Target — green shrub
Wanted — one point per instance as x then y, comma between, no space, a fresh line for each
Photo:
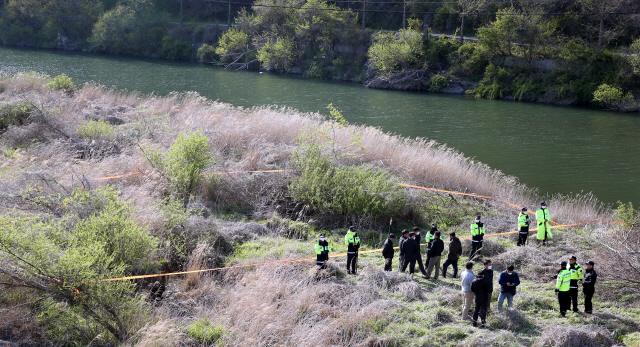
176,49
626,213
439,81
183,163
234,45
396,52
347,191
279,55
207,54
61,82
205,332
95,237
495,84
614,98
96,130
15,114
470,59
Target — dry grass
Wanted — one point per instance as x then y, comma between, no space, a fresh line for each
588,336
197,261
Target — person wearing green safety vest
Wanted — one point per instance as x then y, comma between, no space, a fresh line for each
352,240
431,235
477,235
523,227
543,217
562,288
577,275
322,252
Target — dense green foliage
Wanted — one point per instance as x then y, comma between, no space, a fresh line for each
183,164
65,258
346,191
396,52
17,114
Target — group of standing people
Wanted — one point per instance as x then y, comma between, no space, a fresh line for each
569,278
542,218
410,254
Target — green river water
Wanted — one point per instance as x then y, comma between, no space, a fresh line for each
555,149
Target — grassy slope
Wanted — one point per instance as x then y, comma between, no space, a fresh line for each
290,304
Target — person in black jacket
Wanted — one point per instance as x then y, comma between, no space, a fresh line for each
418,239
388,252
479,287
411,253
487,273
455,252
588,286
403,238
435,252
431,235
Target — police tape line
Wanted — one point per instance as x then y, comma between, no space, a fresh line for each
304,259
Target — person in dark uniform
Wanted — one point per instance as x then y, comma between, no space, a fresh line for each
388,252
352,240
403,238
562,288
479,287
411,253
322,252
416,230
477,236
523,227
588,286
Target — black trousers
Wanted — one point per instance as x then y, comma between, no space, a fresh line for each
474,248
387,264
564,300
573,293
454,263
411,264
421,266
480,310
352,263
588,295
522,238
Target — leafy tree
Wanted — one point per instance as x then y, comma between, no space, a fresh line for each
207,54
65,260
466,8
396,52
132,27
183,163
614,98
279,55
605,23
235,45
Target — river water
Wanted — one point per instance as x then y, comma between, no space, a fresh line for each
555,149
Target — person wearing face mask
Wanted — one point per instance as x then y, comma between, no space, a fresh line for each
562,288
431,235
455,252
588,286
322,252
416,230
435,253
508,281
352,240
577,275
523,227
488,278
477,235
543,217
388,252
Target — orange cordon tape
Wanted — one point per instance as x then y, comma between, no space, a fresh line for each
311,258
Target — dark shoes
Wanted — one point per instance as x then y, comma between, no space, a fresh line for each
588,312
475,324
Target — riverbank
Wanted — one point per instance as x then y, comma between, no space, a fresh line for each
81,163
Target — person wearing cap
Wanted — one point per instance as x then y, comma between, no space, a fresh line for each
487,274
322,252
416,230
482,292
411,253
588,286
403,238
435,253
562,288
523,227
431,235
352,240
466,279
455,251
388,252
576,276
508,282
543,217
477,235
